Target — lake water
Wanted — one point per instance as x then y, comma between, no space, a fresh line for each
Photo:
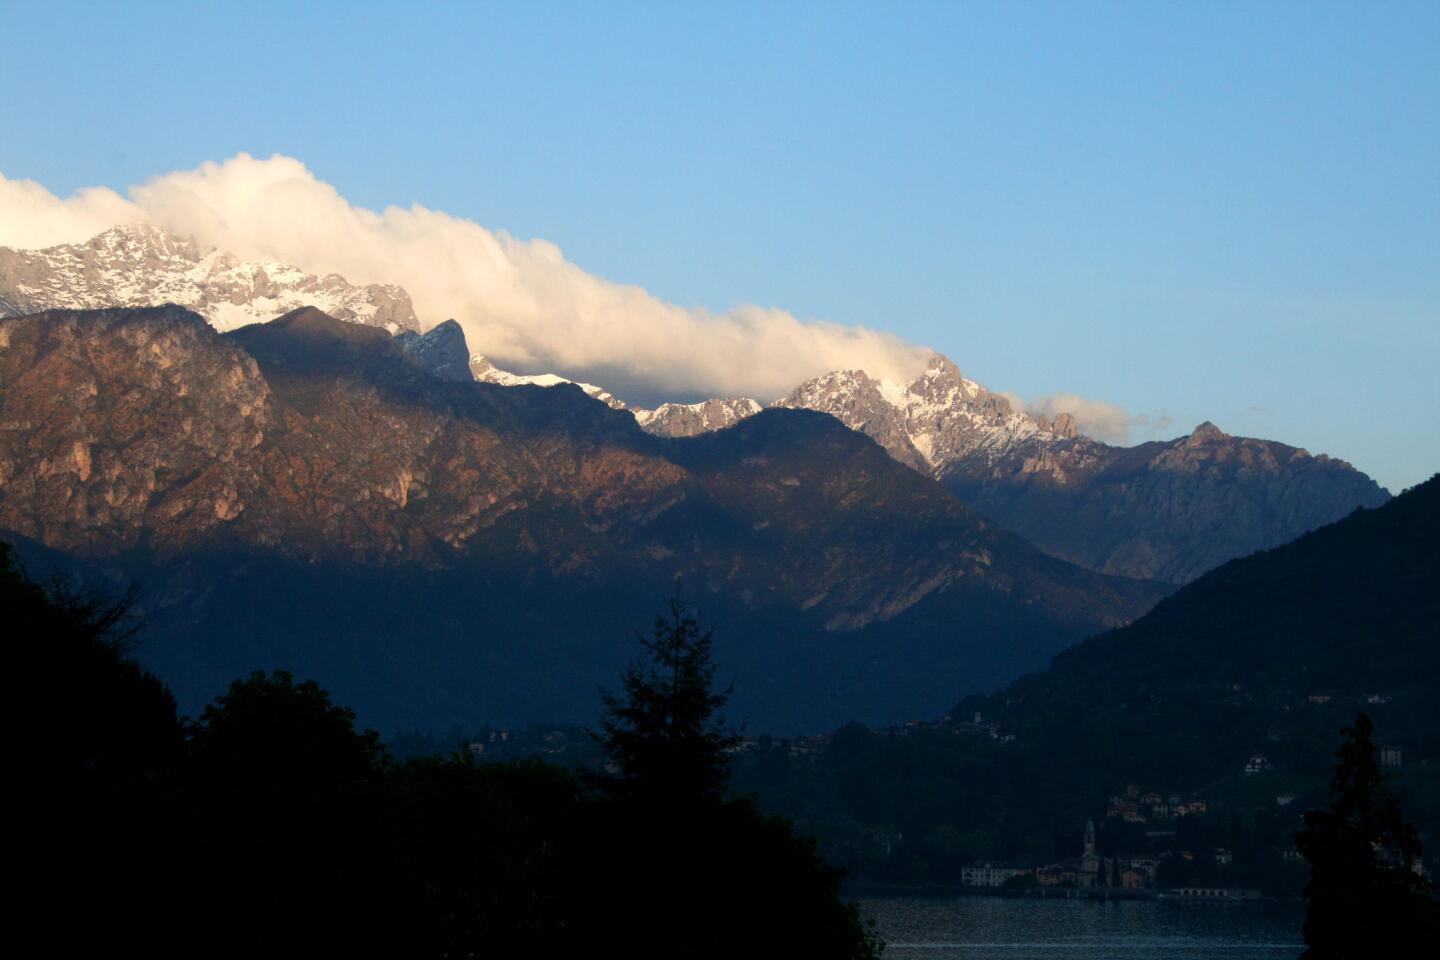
982,928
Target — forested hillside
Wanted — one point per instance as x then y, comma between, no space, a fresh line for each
1257,664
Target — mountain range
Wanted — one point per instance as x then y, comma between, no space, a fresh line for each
358,467
1165,510
1162,510
304,493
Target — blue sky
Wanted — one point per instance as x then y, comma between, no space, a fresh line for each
1216,211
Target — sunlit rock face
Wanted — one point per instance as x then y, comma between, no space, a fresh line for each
319,438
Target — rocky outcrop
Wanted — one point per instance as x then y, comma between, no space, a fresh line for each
441,351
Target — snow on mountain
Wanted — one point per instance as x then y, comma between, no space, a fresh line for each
926,424
140,265
929,423
689,419
486,372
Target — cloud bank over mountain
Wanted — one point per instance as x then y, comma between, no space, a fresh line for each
520,301
31,216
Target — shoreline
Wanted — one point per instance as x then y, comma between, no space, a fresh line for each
948,892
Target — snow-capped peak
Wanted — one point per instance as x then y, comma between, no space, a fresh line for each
141,265
929,423
689,419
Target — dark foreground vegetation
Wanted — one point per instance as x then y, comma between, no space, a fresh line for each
271,827
1366,895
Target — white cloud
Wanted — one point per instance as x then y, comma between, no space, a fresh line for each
520,301
1099,419
31,216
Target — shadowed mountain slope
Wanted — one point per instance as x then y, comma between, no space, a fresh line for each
1266,655
1227,697
303,493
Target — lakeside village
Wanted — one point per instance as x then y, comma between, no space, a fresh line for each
1149,844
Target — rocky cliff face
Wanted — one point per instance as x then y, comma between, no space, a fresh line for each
121,426
144,440
144,266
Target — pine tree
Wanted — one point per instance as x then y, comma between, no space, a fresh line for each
1365,896
717,877
665,734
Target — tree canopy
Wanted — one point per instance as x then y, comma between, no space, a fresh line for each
717,878
271,826
1366,896
665,734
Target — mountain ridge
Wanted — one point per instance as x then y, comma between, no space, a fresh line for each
232,469
1164,510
